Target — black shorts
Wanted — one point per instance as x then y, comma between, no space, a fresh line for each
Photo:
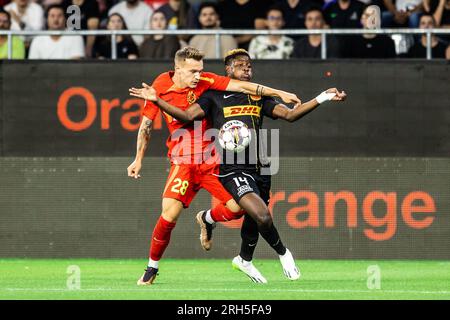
240,182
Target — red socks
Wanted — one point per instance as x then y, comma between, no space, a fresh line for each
160,238
221,213
163,229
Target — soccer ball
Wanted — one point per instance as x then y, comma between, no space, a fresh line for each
234,136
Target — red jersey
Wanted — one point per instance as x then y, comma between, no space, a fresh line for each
183,98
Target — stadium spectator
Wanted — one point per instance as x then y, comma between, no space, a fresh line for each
243,14
272,46
18,47
311,46
136,15
369,45
439,49
56,47
209,19
89,20
294,12
126,48
440,9
402,13
25,15
89,9
47,3
178,14
343,13
159,46
103,9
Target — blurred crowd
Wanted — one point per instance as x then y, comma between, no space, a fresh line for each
34,15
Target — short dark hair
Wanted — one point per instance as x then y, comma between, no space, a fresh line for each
275,7
208,5
55,6
428,15
7,14
159,11
312,8
233,54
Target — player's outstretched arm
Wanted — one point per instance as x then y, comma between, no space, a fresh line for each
194,112
260,90
149,93
143,140
302,109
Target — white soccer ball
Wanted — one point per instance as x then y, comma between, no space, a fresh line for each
234,136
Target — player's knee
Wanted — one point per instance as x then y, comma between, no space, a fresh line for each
169,217
170,214
171,209
233,206
264,219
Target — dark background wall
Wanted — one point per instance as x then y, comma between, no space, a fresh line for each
394,109
65,193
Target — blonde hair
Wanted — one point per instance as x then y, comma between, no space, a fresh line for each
230,55
189,53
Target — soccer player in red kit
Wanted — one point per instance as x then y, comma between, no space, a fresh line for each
189,172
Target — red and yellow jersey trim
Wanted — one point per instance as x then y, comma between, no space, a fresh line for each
210,80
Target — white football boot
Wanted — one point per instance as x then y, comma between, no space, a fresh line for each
249,269
289,268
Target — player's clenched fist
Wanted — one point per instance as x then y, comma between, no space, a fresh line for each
339,95
134,169
146,92
331,94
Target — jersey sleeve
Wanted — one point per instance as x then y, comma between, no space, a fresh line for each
206,102
268,106
218,82
150,110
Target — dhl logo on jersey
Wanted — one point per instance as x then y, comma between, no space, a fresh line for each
247,110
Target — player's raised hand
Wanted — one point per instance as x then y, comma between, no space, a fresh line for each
146,92
339,95
134,169
289,97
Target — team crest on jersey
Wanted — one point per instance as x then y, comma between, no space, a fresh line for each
248,110
255,98
191,97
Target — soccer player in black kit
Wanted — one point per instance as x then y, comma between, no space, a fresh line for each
244,179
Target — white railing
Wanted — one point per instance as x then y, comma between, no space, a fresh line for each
219,33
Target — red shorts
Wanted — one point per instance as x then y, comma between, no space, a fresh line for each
185,180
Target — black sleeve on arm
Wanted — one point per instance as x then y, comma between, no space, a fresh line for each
268,106
132,48
206,103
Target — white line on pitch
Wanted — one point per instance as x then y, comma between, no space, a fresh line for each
225,289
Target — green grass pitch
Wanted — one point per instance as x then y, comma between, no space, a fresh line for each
215,279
